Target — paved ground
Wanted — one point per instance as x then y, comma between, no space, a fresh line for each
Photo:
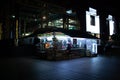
88,68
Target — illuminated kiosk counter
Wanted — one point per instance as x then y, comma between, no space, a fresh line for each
63,54
51,54
55,46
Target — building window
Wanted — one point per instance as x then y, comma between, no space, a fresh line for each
92,20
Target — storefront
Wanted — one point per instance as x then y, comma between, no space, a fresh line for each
62,40
57,42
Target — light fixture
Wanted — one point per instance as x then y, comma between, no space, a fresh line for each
44,17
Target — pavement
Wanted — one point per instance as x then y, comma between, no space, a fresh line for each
86,68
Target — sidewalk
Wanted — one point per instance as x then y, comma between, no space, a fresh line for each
31,68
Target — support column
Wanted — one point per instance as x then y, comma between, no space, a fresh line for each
19,28
16,30
24,26
67,23
64,22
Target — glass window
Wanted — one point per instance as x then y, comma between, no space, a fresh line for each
92,20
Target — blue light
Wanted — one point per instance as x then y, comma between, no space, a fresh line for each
69,11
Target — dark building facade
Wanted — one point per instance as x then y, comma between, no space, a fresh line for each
20,18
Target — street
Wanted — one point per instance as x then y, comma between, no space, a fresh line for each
85,68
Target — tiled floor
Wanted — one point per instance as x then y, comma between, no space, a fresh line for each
88,68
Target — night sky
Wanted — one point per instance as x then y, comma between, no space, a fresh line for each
105,6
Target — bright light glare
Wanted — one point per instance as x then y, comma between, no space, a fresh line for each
44,17
111,27
69,11
91,28
26,34
13,16
94,48
97,27
88,26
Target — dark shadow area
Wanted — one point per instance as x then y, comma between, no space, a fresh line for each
8,49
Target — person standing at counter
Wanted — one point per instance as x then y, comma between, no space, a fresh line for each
68,48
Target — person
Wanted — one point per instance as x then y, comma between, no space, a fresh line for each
68,48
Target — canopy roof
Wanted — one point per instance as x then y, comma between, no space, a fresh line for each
72,33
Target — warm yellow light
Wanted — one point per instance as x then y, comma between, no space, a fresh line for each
44,17
47,45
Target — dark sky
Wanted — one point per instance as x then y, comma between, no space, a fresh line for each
108,6
104,6
82,3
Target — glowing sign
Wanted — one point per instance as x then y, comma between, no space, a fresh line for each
111,24
92,11
92,21
111,27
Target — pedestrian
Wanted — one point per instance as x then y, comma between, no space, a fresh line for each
68,48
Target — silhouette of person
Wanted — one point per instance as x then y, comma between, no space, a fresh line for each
68,48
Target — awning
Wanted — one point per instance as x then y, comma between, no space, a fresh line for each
72,33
